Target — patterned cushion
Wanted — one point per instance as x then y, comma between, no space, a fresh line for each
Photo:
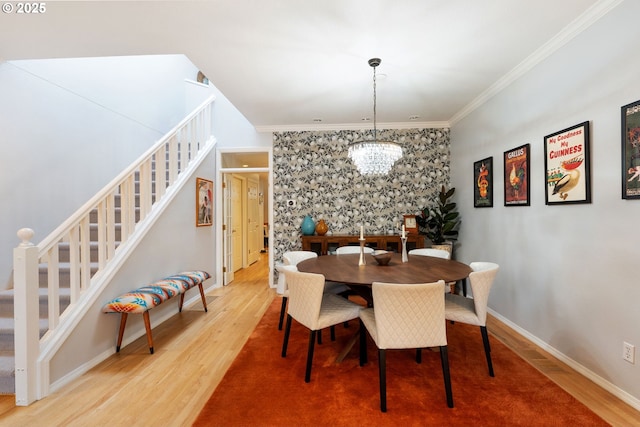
194,278
147,297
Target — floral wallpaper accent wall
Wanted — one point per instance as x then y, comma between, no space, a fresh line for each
312,169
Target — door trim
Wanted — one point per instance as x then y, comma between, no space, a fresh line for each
219,221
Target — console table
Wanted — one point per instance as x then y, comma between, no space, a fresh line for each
323,245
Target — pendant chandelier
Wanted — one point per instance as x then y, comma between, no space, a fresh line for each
374,157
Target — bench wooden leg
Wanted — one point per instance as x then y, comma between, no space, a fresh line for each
123,322
204,300
147,325
181,302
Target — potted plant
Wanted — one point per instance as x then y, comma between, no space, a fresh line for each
440,222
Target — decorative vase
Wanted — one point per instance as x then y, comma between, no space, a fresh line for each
321,227
308,226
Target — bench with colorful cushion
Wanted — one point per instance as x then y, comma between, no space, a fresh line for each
145,298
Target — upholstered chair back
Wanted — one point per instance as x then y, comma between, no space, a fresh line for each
342,250
438,253
409,315
481,280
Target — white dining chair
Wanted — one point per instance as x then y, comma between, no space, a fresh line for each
406,316
289,261
438,253
310,306
473,311
295,257
351,249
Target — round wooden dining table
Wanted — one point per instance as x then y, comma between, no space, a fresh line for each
419,269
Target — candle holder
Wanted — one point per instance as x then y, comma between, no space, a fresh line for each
362,260
405,257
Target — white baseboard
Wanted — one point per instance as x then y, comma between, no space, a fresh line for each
611,388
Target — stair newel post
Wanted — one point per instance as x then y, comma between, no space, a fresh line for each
27,335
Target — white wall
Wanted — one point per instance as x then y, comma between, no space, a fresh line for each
232,129
146,89
567,273
69,126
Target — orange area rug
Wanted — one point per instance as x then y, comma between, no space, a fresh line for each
263,389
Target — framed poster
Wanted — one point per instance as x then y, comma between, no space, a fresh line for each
483,183
516,176
204,202
567,168
631,151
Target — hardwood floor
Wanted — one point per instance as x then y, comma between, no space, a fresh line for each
193,351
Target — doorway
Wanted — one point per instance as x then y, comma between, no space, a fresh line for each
244,212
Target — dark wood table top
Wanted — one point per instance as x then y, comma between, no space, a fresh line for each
419,269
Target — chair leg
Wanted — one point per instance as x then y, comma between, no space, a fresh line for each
363,345
287,330
382,368
487,349
418,355
312,341
332,329
444,358
283,309
464,287
319,334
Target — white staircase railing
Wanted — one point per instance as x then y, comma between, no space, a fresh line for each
94,228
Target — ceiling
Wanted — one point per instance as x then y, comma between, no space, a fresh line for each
302,64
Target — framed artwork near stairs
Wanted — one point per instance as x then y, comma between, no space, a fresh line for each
204,202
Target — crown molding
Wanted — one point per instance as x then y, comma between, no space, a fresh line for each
581,23
352,126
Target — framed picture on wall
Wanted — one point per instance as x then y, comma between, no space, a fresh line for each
631,151
516,176
567,167
483,183
204,202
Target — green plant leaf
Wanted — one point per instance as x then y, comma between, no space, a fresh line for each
439,222
451,216
449,193
448,207
446,229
